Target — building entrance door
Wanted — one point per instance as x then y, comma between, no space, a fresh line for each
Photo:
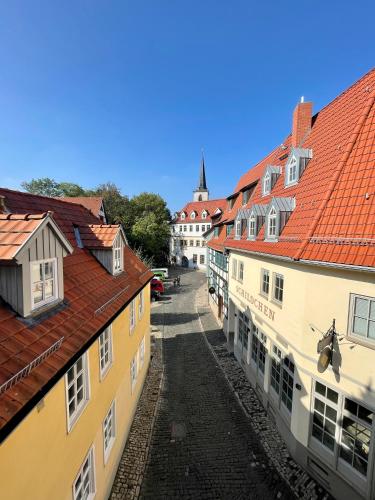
185,261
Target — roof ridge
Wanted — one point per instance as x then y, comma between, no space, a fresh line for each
347,152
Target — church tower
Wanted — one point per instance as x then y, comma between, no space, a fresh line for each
201,193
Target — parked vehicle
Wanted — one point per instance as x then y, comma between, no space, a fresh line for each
160,275
163,270
157,285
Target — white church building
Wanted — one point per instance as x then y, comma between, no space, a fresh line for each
187,244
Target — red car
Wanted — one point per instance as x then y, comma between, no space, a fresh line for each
157,285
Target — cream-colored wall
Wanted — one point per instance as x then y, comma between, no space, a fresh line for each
313,297
40,459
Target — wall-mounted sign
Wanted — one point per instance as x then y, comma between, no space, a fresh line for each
258,304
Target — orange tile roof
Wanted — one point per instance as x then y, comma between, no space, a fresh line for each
335,198
92,203
99,235
15,230
198,206
92,298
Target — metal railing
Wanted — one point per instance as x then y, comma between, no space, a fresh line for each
25,371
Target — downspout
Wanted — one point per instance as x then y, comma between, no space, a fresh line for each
344,159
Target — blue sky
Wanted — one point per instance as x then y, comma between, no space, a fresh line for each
129,92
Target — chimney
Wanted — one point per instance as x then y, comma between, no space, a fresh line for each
301,122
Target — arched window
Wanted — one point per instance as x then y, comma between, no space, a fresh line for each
272,222
252,226
200,197
192,215
292,170
204,214
183,215
267,183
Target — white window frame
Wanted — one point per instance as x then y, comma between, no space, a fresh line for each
141,305
109,426
204,214
258,345
238,228
280,363
241,269
192,215
132,316
55,280
272,223
234,269
134,371
141,353
79,408
263,273
252,226
357,337
274,287
183,216
105,347
118,255
267,184
292,171
90,457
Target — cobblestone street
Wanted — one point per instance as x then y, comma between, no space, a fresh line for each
203,445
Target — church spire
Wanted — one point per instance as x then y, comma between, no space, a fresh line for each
201,193
202,176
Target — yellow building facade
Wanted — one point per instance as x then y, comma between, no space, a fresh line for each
50,454
278,312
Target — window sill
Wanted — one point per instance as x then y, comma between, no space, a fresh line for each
72,421
46,306
294,183
264,295
277,303
104,373
361,341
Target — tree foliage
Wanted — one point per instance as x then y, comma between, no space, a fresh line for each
144,217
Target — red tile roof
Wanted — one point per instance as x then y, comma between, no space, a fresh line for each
92,298
15,230
198,207
99,235
335,198
92,203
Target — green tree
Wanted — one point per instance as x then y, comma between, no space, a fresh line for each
116,205
151,235
71,189
44,186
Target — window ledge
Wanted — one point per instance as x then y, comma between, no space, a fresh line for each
294,183
277,303
264,295
47,306
362,341
72,421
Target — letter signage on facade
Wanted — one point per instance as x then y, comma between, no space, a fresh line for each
263,308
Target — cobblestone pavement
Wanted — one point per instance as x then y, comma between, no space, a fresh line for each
129,475
203,445
300,482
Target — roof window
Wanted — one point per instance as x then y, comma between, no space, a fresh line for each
296,164
271,174
278,213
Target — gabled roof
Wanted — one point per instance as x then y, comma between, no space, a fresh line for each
92,203
92,299
17,229
334,217
210,206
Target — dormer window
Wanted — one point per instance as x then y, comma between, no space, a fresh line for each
267,183
182,216
43,282
270,177
256,220
296,165
204,214
238,228
272,223
279,211
192,215
246,196
118,260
